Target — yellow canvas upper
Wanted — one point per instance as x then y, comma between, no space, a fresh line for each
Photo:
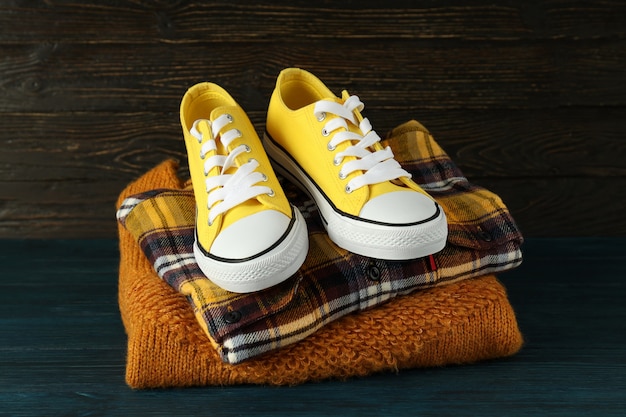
209,101
291,122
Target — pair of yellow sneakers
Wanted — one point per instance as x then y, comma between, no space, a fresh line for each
248,236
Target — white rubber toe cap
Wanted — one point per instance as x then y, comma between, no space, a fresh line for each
251,235
399,207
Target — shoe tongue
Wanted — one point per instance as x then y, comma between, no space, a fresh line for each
378,189
345,96
244,209
233,110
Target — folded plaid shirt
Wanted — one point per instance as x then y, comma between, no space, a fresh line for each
482,239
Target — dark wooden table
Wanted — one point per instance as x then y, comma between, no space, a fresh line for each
62,346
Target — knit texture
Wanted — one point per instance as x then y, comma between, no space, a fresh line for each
462,322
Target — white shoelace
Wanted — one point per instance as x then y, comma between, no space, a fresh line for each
378,166
226,191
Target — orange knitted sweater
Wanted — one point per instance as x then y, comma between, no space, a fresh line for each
458,323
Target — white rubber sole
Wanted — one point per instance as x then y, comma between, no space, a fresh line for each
361,236
263,271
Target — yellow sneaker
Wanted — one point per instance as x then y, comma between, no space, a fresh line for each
248,236
367,202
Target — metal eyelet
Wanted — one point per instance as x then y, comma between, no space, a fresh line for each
348,189
342,176
229,117
247,148
271,193
239,134
264,177
321,117
330,147
336,162
325,132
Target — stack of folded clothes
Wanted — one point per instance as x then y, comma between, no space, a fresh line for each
340,314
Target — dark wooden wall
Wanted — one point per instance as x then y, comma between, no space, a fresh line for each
528,97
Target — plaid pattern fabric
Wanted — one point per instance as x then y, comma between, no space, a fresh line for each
482,239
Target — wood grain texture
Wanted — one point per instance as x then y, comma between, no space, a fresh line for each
62,346
389,74
109,145
181,21
528,98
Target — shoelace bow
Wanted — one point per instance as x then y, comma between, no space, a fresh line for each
226,191
377,166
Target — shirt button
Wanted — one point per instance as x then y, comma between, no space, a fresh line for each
232,317
373,273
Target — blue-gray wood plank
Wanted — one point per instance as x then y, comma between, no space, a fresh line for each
62,346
